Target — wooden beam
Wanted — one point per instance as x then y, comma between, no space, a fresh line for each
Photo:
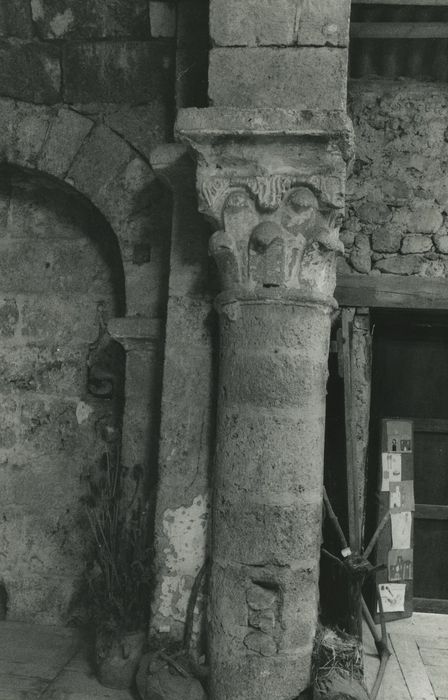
425,511
399,30
411,3
392,291
430,425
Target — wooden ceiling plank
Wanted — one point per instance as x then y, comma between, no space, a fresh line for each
399,30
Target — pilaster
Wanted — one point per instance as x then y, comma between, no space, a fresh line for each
188,403
142,340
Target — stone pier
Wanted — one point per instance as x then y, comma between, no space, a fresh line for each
272,182
267,497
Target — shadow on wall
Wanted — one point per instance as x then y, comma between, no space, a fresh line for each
61,279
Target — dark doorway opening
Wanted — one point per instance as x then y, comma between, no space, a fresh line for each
410,380
334,593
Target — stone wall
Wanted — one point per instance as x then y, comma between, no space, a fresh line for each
397,196
284,53
114,60
114,63
57,266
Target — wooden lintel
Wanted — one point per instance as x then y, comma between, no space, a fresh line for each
392,291
430,425
424,511
399,30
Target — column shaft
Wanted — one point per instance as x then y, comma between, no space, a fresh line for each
267,498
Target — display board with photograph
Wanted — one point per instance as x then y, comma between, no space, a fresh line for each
396,497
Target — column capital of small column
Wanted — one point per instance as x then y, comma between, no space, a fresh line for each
272,181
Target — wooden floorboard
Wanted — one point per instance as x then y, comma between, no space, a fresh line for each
412,667
432,642
438,676
394,686
434,657
49,663
421,625
418,667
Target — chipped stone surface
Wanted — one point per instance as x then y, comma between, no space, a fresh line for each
386,240
30,71
416,243
441,241
143,126
15,19
121,72
360,255
64,137
162,16
9,317
94,19
283,23
401,265
83,412
259,598
374,213
261,643
397,194
304,78
424,219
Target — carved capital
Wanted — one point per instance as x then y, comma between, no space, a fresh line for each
270,225
276,200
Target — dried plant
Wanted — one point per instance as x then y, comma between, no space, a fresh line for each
118,577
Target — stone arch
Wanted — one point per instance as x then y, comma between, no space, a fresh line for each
60,279
94,163
97,163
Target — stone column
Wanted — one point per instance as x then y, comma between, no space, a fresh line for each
272,181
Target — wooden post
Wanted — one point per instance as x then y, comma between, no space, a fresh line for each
352,473
356,350
361,376
357,362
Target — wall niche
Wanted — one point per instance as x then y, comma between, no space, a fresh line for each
60,279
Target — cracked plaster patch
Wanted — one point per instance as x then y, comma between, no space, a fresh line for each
186,531
83,412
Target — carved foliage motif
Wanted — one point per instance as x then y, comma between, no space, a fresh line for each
267,226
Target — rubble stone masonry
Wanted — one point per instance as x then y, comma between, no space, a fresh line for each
397,194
